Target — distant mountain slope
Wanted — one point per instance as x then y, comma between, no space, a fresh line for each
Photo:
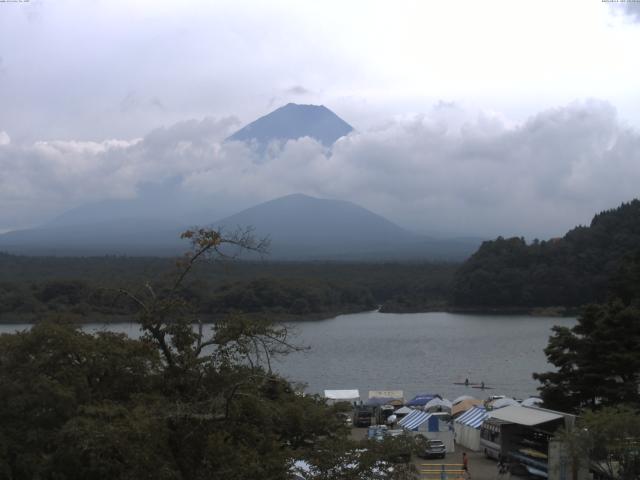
163,202
300,228
569,271
305,220
304,227
115,237
295,121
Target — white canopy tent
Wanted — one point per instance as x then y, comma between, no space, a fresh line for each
532,402
503,402
462,398
438,405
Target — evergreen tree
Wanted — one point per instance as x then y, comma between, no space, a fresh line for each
598,360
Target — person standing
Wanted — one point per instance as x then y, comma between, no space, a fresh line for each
465,465
501,467
504,472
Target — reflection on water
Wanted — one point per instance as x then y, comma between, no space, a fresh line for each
421,352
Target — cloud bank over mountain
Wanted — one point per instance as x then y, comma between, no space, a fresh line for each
449,171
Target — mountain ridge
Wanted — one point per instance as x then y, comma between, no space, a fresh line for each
301,227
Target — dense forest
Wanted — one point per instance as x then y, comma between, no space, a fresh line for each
570,271
34,287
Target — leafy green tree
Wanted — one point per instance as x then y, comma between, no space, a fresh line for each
48,374
182,402
615,441
610,439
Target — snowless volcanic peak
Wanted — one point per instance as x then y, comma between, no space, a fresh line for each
295,121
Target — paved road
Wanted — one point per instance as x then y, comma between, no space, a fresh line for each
480,467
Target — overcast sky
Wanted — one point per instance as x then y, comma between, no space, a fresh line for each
478,117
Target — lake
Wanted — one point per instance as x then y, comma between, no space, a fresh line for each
418,352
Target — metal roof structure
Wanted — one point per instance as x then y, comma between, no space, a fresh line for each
528,416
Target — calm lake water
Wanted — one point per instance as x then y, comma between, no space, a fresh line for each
421,352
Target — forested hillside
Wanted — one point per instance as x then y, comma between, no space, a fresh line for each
33,287
569,271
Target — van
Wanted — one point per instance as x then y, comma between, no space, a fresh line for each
362,417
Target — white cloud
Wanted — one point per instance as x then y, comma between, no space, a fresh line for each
449,170
103,69
630,9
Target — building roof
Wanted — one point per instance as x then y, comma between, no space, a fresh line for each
342,394
473,418
528,416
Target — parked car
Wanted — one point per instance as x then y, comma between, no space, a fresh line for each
345,417
433,449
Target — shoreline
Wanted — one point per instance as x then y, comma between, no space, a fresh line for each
560,312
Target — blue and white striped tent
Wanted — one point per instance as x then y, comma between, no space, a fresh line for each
417,418
467,428
473,418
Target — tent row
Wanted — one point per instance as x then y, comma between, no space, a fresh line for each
425,401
